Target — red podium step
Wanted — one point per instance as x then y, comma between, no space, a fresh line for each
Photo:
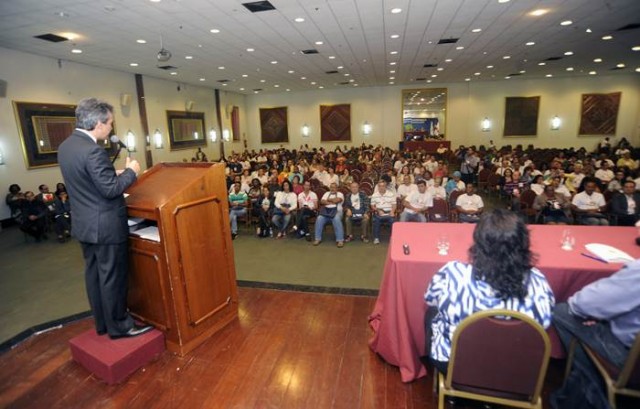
114,360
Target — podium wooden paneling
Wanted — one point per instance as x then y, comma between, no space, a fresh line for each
185,284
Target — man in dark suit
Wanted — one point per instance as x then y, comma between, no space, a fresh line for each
100,216
626,205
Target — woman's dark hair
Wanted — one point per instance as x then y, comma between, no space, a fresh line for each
500,253
535,179
287,183
254,180
15,188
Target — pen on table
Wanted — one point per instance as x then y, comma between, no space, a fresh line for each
595,258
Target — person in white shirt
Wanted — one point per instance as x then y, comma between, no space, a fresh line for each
356,209
437,190
332,177
417,204
469,205
307,205
383,205
399,164
285,202
538,185
605,174
321,175
406,188
332,212
573,180
616,185
589,206
560,188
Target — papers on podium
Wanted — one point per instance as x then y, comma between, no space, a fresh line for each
608,253
149,233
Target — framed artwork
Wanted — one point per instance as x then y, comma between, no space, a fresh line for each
186,129
335,123
599,114
521,116
235,124
274,125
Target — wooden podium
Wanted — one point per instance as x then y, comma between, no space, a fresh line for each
184,284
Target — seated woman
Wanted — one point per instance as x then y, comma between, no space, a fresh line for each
501,275
537,185
263,211
296,187
62,216
285,203
345,178
553,206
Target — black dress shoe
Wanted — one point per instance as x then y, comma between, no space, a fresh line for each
101,332
133,332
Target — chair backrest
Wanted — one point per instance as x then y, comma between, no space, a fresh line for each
499,353
528,197
453,198
493,180
630,374
439,212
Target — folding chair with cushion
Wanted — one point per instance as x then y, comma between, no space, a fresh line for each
483,177
493,181
623,381
453,199
439,212
526,202
497,356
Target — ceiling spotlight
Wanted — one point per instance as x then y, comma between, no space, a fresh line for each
459,47
340,67
241,89
506,57
568,53
396,10
607,38
392,72
597,60
637,69
244,75
538,12
621,65
313,83
141,41
319,43
214,30
467,79
507,77
303,78
394,36
299,20
503,1
287,90
291,71
542,63
549,75
588,30
202,79
592,73
188,57
476,73
522,71
393,52
391,82
566,23
133,64
476,30
274,62
530,43
489,66
76,51
174,73
569,68
263,81
392,63
636,48
440,69
221,67
332,57
276,86
448,60
250,50
392,78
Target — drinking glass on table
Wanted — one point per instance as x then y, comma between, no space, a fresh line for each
443,245
568,241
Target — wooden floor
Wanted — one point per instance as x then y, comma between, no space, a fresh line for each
286,350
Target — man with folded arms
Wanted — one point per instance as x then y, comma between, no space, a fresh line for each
589,206
417,204
356,208
469,205
307,205
383,205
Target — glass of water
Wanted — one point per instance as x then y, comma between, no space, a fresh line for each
443,245
568,241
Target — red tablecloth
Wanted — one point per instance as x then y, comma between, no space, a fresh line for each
398,316
428,145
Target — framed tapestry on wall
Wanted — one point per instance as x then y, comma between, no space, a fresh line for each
274,125
235,124
599,114
335,123
521,116
186,129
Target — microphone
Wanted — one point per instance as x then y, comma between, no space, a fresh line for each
117,141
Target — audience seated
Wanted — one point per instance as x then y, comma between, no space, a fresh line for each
15,200
469,205
589,206
501,274
356,210
417,204
625,206
34,216
238,202
552,206
285,203
263,211
307,207
383,207
330,212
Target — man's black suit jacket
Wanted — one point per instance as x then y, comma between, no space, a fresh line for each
619,203
95,191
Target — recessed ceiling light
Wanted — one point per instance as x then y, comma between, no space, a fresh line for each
507,77
313,83
276,86
637,69
155,1
592,73
607,38
141,41
340,67
244,75
568,53
320,87
174,73
214,30
530,43
503,1
392,78
392,63
467,79
393,52
63,14
569,68
274,62
299,20
597,60
263,81
489,66
319,43
355,85
76,51
303,78
476,30
396,10
621,65
250,50
291,71
202,79
133,64
429,81
506,57
392,72
391,82
459,47
394,36
188,57
347,74
69,36
549,75
538,12
434,75
635,48
588,30
476,73
221,67
440,69
542,63
448,60
287,90
241,89
566,23
352,80
332,57
522,71
255,92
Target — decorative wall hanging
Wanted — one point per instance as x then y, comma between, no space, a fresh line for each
274,125
335,123
521,116
235,124
599,114
186,129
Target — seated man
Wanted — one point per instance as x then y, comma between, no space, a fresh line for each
356,209
625,206
34,214
552,206
605,315
238,201
331,212
383,206
589,206
406,187
469,205
62,216
417,204
307,205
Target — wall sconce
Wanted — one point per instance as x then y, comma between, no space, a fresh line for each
306,130
366,128
226,135
131,141
555,123
213,135
157,139
486,125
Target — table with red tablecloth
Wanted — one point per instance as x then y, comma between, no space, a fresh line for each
398,316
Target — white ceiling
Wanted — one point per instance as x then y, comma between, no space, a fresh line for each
356,32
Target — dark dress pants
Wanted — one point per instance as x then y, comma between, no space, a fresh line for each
106,280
